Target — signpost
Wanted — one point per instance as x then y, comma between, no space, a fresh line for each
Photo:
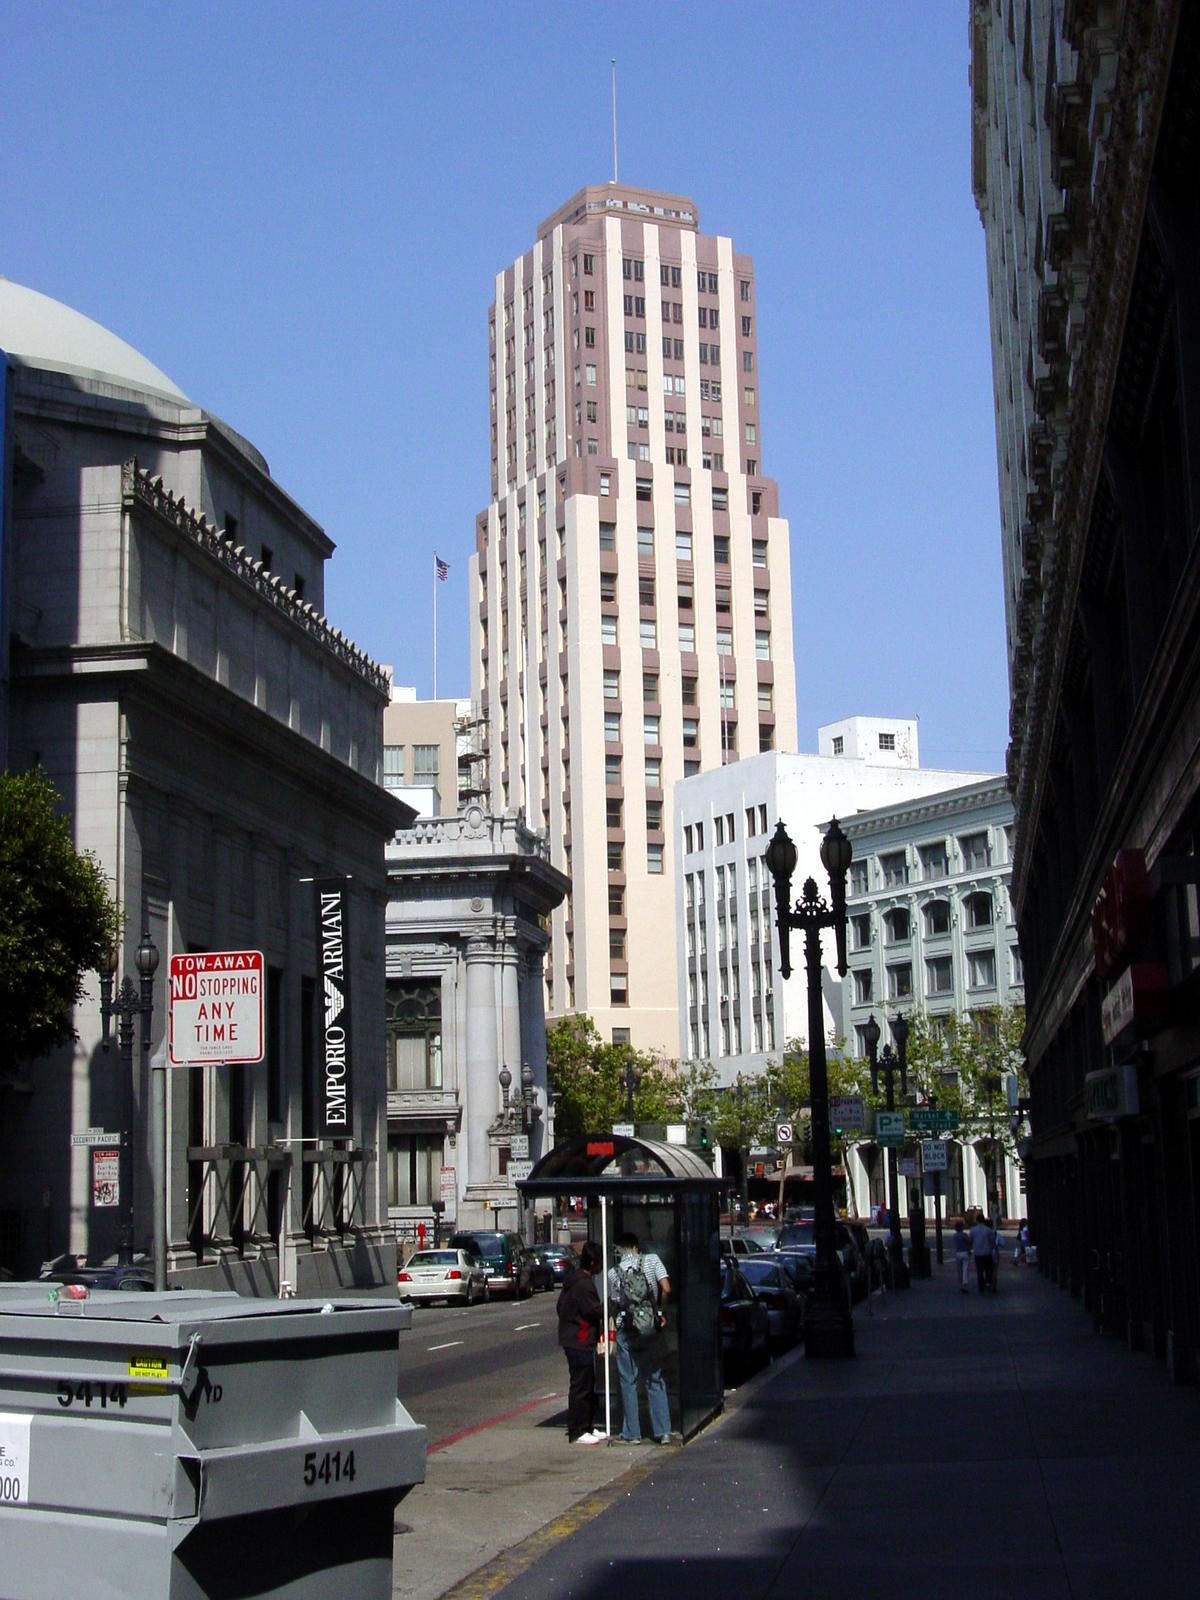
783,1133
518,1147
624,1130
518,1171
449,1195
908,1166
106,1178
96,1138
933,1159
926,1119
846,1111
889,1129
216,1008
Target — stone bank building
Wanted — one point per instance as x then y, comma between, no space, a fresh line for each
218,745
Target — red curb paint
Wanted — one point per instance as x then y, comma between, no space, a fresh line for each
505,1416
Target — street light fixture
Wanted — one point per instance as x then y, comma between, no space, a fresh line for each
128,1005
828,1328
890,1061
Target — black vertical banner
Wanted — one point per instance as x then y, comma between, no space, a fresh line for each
334,1102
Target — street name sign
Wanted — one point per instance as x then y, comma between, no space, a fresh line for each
889,1128
926,1120
518,1171
783,1132
216,1007
96,1137
846,1112
933,1155
518,1146
623,1130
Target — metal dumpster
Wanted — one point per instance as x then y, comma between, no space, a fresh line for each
190,1444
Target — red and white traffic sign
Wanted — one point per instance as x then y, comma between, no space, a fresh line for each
216,1007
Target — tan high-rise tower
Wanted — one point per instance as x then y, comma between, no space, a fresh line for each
631,615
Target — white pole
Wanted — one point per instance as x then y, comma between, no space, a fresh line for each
604,1313
614,88
158,1160
435,584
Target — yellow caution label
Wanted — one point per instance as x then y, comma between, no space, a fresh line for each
149,1369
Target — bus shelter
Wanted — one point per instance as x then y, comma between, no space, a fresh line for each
667,1196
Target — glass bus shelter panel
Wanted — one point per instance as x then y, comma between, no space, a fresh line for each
700,1310
653,1220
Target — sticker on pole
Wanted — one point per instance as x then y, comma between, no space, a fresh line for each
14,1458
216,1007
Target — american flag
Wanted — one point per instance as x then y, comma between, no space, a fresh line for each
443,567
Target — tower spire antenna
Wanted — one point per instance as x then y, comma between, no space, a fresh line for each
614,88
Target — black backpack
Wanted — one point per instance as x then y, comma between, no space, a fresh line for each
639,1314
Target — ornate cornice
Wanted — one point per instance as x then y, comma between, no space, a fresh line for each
140,490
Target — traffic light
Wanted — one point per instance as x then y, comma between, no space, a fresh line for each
703,1136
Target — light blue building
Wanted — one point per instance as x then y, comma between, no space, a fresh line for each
931,931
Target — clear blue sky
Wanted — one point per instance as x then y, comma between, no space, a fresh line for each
297,213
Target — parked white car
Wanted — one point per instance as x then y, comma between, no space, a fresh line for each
443,1275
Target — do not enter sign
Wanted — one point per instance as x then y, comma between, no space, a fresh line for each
216,1007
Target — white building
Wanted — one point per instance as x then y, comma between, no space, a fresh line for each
469,900
631,617
732,1010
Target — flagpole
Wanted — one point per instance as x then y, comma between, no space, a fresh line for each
435,584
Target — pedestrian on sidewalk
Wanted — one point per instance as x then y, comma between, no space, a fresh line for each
983,1242
638,1287
579,1317
962,1253
1022,1247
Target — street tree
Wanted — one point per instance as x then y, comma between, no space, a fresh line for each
586,1079
57,921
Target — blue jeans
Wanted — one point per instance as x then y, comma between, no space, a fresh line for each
646,1364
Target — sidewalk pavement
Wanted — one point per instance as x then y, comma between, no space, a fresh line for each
492,1487
979,1446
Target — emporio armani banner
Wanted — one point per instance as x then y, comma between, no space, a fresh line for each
333,988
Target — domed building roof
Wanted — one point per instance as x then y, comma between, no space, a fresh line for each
39,332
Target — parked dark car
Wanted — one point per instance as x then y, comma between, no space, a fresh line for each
540,1270
773,1288
137,1276
506,1258
745,1325
799,1236
559,1258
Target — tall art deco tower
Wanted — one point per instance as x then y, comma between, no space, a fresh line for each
631,616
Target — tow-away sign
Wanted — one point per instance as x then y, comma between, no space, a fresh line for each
216,1007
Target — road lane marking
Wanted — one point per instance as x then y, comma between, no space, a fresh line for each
520,1328
448,1346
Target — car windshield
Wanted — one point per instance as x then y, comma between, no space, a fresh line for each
797,1236
490,1244
761,1272
434,1258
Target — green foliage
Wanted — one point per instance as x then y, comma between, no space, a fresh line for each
56,920
585,1076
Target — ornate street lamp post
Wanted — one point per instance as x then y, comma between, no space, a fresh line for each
128,1005
889,1062
828,1328
630,1080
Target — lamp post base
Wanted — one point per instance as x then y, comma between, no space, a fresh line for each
829,1327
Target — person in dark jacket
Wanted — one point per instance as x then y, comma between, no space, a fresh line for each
578,1330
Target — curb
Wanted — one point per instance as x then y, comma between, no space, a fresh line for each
511,1563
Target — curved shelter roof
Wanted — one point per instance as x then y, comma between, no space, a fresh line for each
611,1162
37,331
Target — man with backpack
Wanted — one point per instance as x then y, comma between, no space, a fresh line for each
638,1290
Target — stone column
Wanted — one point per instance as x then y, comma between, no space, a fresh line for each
482,1090
510,1003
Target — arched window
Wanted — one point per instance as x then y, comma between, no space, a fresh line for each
414,1035
979,910
937,919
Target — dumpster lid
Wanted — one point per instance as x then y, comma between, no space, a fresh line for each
611,1161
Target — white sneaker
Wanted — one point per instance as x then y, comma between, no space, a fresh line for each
595,1437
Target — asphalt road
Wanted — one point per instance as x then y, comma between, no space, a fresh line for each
467,1365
